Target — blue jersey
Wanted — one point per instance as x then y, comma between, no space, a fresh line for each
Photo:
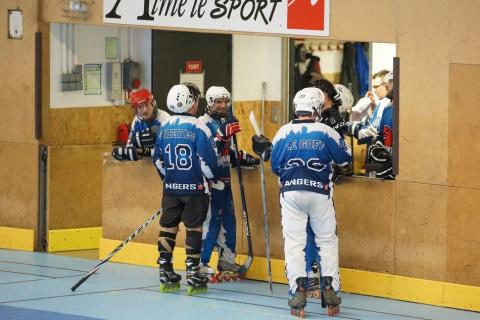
223,149
385,130
368,131
185,155
303,153
139,125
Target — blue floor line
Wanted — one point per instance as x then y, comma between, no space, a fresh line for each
37,286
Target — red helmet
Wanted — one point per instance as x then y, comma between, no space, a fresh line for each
139,97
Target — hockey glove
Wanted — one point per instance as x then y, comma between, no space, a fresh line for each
125,153
145,138
247,160
228,129
379,161
332,118
352,128
262,147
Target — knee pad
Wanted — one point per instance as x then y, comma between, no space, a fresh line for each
166,240
193,242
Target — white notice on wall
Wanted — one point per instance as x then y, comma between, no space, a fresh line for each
93,79
15,24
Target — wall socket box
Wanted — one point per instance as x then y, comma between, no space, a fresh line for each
114,81
72,81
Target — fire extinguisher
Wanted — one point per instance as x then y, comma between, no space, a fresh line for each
122,134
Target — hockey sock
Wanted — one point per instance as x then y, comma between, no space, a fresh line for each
166,243
193,242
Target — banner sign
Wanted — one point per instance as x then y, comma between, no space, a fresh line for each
281,17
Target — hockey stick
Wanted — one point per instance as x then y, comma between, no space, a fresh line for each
120,246
246,265
264,204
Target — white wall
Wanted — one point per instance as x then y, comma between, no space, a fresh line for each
256,59
90,48
382,56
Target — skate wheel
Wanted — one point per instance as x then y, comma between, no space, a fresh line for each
300,313
190,291
332,310
227,277
213,279
309,294
219,277
316,294
241,277
234,278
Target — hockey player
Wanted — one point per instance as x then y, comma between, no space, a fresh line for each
302,154
144,127
185,156
339,97
331,110
366,131
220,226
379,162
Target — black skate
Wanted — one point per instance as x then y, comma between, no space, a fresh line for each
298,301
227,271
169,280
330,300
196,282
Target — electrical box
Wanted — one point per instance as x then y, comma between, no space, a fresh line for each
131,73
114,81
72,81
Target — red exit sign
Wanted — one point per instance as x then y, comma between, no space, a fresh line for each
193,66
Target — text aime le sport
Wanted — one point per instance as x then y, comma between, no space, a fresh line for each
248,9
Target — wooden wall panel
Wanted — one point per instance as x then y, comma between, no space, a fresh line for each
17,62
242,113
89,125
464,35
354,22
365,211
74,195
421,231
424,59
463,145
19,185
52,11
463,219
253,196
132,192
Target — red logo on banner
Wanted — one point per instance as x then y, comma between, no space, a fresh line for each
306,14
193,66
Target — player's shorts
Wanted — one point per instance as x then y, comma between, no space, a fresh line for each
191,210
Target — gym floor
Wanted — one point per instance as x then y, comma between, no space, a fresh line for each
37,286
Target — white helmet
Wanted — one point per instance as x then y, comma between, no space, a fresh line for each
179,99
214,93
388,77
346,97
309,100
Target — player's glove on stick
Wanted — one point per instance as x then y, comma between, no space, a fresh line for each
262,147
